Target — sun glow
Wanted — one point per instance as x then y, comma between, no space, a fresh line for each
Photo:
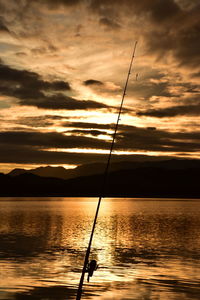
123,152
115,152
85,150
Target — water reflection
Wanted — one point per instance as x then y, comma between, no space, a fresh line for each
146,249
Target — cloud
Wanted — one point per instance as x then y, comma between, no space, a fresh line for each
104,89
147,89
59,101
49,140
169,36
92,82
27,155
28,80
88,125
181,38
40,121
30,90
151,128
172,30
181,110
30,155
157,9
196,75
32,146
55,3
86,132
129,138
3,27
187,4
161,10
108,23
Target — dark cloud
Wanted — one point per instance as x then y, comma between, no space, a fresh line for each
196,75
181,110
49,140
30,155
162,10
28,80
84,132
171,28
152,73
151,128
55,3
92,82
34,122
40,121
31,147
59,101
3,27
21,54
191,88
168,30
147,89
157,9
50,49
88,125
128,138
187,4
56,117
29,89
60,86
27,155
108,23
181,38
163,85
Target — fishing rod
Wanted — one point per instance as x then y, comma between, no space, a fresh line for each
87,254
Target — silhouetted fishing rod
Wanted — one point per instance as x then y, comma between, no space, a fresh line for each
87,254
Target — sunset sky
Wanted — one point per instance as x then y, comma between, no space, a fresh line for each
63,65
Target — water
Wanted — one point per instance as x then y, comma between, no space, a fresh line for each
146,249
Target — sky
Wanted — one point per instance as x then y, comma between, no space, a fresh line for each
63,66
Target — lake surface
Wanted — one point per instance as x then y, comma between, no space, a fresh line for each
146,249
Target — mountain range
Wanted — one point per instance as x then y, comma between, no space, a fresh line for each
98,168
154,178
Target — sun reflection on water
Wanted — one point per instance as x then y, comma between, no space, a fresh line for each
137,244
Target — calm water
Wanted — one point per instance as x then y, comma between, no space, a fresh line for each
145,249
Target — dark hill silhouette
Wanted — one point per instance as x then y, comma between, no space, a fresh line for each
98,168
172,178
60,172
86,169
57,172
